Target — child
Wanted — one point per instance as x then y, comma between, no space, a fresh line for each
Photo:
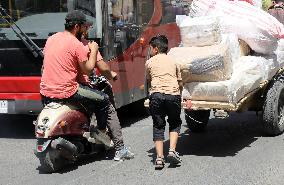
165,85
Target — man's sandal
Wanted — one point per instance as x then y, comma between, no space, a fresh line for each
159,163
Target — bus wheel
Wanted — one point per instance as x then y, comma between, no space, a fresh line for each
273,108
197,120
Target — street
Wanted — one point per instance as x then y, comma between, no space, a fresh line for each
230,151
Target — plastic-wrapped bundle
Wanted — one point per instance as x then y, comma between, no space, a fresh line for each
265,67
199,31
208,63
251,24
230,91
203,64
248,73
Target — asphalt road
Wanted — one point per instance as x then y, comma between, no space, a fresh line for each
231,151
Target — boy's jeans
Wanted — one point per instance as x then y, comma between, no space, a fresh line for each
162,105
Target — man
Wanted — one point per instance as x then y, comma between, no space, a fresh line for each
65,60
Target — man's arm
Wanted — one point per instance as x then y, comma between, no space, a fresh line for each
88,66
105,70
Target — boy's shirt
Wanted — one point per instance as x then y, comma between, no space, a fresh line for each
164,74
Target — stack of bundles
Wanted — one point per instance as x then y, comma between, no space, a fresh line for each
248,73
214,63
251,24
205,55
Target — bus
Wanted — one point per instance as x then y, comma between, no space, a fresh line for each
122,28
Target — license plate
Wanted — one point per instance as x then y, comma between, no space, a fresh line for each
3,106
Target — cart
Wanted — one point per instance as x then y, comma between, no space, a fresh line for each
268,98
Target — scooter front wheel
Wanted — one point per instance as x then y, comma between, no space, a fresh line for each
51,160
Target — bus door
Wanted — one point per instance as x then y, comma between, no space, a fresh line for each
125,21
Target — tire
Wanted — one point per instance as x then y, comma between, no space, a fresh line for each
273,108
51,161
197,120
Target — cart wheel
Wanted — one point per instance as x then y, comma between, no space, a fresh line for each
197,120
273,108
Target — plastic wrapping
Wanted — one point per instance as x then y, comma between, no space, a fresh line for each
257,3
280,52
258,65
248,73
199,31
223,91
211,63
208,63
251,24
280,56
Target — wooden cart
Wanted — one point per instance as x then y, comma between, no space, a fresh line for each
267,98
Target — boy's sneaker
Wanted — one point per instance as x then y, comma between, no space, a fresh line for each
122,154
173,157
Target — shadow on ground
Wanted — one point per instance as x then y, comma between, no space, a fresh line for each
83,160
220,139
17,126
132,113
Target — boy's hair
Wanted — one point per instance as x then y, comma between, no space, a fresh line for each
161,42
279,1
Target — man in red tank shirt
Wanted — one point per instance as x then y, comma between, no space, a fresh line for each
65,60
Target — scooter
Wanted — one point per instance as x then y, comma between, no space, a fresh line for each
65,132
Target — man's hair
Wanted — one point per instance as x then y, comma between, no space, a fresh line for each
69,27
161,42
75,17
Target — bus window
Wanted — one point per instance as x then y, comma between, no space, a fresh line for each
126,20
42,18
39,19
173,8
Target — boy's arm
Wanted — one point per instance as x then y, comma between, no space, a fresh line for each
147,79
179,79
147,85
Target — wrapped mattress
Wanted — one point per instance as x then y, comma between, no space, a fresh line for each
248,73
207,63
199,31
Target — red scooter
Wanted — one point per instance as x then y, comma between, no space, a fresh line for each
64,132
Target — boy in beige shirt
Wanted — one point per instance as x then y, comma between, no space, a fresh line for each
165,85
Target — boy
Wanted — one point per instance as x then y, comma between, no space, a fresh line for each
165,85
